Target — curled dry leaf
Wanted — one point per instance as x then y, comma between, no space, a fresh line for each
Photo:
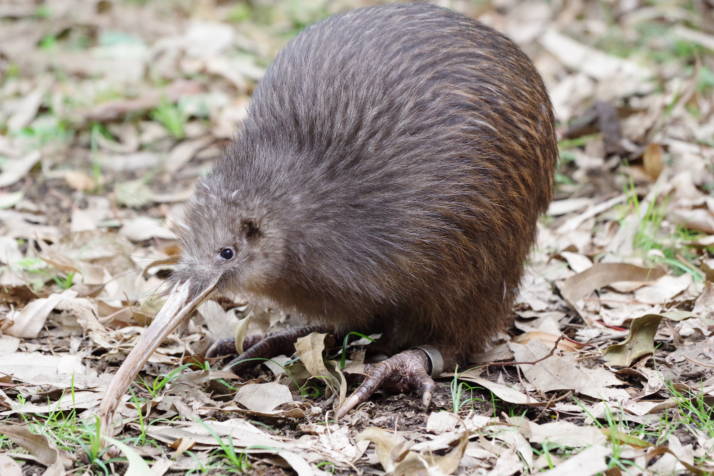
184,152
219,322
310,349
390,447
24,225
574,222
241,331
29,322
577,261
516,443
593,62
639,342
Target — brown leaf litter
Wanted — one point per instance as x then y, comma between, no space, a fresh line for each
109,112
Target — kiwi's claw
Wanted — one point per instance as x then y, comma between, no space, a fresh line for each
402,372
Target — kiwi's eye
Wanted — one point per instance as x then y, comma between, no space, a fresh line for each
227,253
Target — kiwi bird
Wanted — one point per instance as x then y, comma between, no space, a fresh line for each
387,179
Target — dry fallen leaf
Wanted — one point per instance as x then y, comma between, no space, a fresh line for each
100,128
67,402
506,393
145,228
390,447
564,433
26,110
39,447
562,344
61,371
639,342
263,397
248,438
310,349
699,219
13,170
137,465
29,321
565,373
79,180
664,289
220,323
394,455
9,467
582,284
704,305
587,462
653,161
133,194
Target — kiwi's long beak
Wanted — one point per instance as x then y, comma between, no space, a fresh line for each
175,310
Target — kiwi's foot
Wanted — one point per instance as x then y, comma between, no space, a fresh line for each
406,371
259,348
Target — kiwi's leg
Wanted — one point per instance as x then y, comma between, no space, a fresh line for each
406,371
227,347
261,347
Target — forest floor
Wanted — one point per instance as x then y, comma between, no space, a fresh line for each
110,111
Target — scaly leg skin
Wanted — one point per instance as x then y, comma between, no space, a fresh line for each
261,348
407,370
227,347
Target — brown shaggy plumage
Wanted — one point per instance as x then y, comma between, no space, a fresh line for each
388,177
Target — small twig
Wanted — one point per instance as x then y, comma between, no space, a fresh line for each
698,362
550,403
549,354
